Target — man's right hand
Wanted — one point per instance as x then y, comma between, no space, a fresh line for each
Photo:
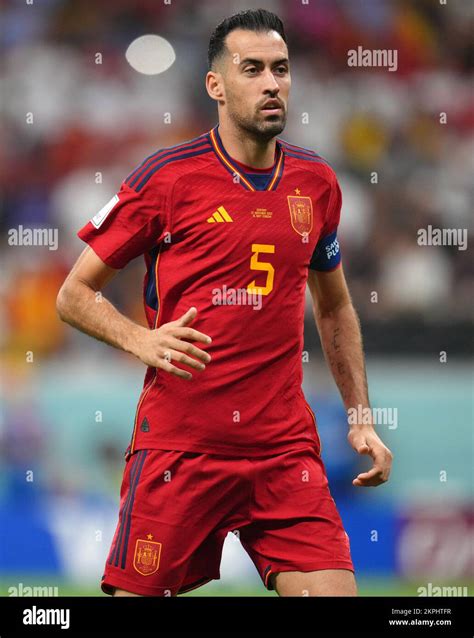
170,342
79,305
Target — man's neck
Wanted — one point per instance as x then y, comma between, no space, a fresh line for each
246,149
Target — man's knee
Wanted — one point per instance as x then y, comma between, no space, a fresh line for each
324,582
122,592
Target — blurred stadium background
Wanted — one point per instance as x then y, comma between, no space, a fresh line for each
75,124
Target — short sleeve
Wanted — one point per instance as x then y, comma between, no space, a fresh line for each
327,254
129,225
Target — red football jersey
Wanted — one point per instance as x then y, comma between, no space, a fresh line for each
239,251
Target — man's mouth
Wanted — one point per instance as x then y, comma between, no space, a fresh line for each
272,107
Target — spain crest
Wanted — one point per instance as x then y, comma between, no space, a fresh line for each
146,559
301,214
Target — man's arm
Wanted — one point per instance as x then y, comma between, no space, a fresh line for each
341,340
79,304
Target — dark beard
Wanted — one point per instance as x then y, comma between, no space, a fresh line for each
260,131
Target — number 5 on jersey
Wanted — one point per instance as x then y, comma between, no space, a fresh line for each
255,264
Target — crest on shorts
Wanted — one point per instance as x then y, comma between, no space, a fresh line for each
146,559
301,214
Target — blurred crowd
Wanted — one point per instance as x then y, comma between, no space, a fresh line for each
77,118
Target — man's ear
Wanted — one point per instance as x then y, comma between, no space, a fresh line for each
215,86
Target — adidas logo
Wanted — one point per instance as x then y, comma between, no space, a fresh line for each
220,215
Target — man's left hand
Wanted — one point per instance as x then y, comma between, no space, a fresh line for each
365,440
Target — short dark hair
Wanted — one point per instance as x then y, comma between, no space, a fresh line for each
251,20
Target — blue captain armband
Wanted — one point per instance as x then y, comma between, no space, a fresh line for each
327,255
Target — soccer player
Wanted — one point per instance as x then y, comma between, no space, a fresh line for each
233,225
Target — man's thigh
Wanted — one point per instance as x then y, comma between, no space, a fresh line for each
324,582
296,528
169,535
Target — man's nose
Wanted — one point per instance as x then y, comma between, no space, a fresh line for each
270,83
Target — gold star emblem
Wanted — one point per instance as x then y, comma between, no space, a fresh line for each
149,536
297,191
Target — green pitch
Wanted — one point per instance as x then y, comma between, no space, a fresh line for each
367,587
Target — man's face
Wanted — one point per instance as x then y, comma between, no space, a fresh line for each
256,81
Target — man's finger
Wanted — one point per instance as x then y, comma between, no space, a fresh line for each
373,482
359,443
180,357
188,348
363,448
377,470
187,318
169,367
381,460
374,476
191,334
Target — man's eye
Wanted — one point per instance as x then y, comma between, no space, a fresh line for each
282,69
251,70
